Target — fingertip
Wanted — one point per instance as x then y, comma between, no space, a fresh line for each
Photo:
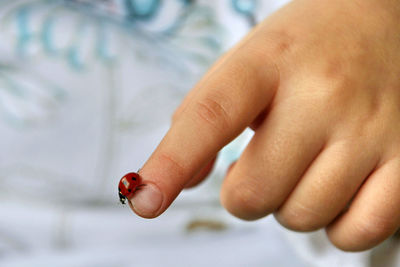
346,244
242,203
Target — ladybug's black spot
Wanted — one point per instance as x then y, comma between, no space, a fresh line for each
129,190
133,179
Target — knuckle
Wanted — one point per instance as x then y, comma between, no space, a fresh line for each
299,217
277,44
214,112
283,45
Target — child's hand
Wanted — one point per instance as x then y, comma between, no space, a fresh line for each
319,82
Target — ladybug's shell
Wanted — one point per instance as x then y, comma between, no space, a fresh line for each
129,183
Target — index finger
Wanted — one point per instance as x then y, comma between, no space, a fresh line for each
225,102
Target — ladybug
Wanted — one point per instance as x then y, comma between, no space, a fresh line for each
128,185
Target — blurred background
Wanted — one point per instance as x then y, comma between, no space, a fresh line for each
87,89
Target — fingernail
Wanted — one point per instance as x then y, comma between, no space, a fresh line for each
147,201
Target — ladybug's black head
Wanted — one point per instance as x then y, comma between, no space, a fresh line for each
122,198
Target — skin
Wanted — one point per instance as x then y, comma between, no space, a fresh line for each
318,82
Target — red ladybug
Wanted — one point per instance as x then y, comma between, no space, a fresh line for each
128,185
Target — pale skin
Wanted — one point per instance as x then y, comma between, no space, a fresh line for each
319,83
